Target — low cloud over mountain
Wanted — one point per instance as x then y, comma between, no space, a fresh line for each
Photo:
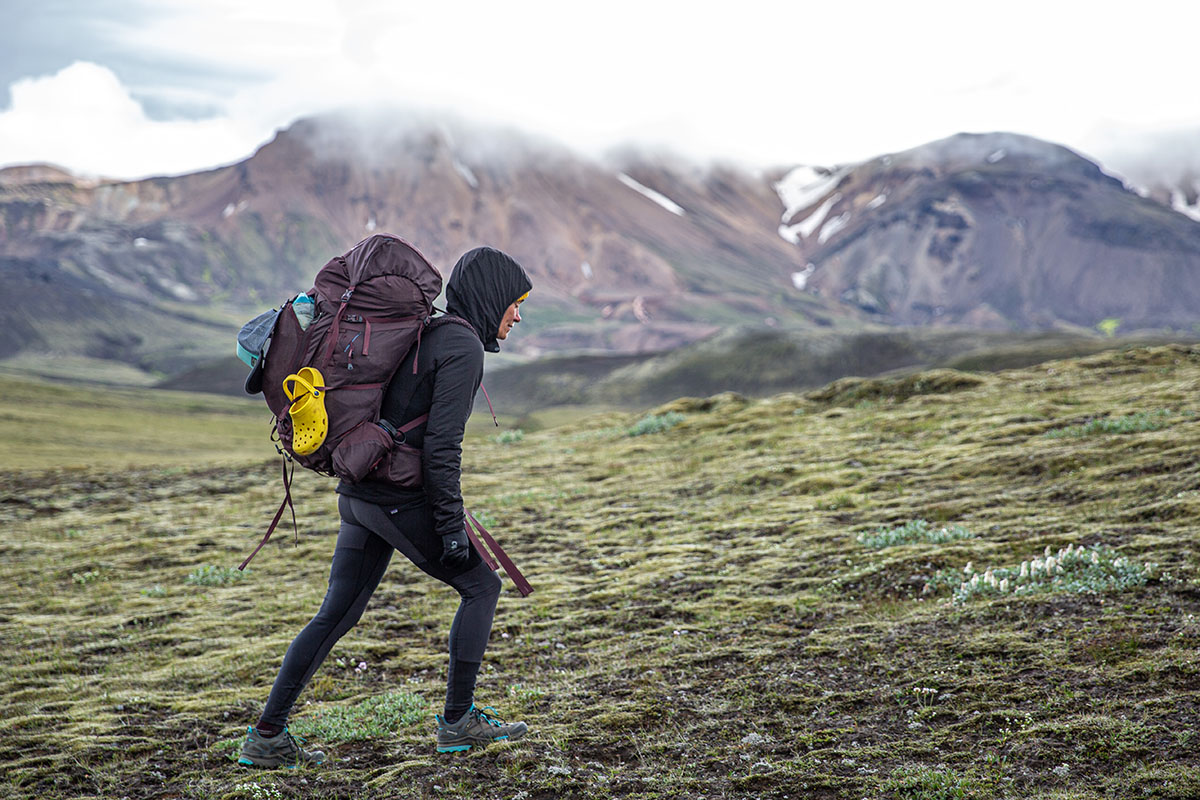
631,255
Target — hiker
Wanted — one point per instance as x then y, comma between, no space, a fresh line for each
425,524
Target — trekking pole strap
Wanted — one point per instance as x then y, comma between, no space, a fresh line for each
487,557
287,503
509,567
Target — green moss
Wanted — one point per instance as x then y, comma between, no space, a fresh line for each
706,621
373,718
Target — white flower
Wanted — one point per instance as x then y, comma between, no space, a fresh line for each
969,568
1024,569
1004,585
1047,552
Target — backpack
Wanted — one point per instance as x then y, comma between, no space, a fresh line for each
370,307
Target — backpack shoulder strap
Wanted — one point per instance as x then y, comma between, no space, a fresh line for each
445,319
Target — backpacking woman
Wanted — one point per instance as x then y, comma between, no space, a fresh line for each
439,378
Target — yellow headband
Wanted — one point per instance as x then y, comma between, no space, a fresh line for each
521,299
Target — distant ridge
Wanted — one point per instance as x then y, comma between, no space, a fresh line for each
637,255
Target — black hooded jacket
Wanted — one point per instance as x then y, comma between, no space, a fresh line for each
449,369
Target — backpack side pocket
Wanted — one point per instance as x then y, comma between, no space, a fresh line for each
403,466
360,451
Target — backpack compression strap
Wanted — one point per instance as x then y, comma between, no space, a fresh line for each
509,567
287,503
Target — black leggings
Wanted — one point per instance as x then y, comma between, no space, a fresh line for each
367,536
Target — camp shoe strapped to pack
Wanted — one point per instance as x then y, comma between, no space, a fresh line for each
476,728
281,750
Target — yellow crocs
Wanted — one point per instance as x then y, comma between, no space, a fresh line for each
310,423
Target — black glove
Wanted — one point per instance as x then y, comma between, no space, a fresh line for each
456,549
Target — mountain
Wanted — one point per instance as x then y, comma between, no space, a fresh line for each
997,232
637,254
150,271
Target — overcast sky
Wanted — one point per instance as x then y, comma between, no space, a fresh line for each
127,88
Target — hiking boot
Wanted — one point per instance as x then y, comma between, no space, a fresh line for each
281,750
477,728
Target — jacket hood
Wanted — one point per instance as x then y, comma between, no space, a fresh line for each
484,283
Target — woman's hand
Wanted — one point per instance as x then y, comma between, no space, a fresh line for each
455,549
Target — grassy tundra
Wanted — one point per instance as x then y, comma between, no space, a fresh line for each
940,586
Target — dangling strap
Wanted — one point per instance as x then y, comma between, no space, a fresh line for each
487,557
485,397
509,567
287,503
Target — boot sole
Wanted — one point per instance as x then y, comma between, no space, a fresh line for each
246,762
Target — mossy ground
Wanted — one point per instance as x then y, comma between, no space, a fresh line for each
706,622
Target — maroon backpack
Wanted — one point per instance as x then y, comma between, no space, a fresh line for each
371,307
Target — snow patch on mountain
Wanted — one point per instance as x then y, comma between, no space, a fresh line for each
1179,201
645,191
466,173
231,209
804,186
788,234
806,227
833,226
800,279
875,203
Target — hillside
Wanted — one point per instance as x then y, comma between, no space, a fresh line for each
758,362
776,598
617,267
997,232
143,281
755,361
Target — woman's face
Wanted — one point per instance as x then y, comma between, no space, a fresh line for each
511,317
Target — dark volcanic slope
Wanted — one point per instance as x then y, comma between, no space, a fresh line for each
1000,231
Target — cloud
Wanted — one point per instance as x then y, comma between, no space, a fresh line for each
84,119
1151,157
194,84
